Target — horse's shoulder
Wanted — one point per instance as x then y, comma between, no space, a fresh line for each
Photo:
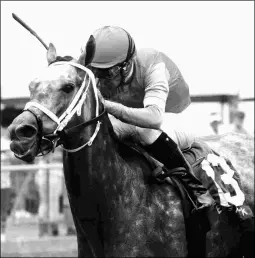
129,151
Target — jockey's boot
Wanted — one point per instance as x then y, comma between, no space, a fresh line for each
166,151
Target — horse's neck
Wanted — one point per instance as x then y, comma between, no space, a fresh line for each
102,149
101,161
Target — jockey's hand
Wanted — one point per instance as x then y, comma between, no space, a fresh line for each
100,97
105,102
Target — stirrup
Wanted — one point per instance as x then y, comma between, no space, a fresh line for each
163,173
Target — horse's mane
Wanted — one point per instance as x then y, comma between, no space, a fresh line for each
126,150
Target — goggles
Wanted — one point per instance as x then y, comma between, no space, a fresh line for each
108,73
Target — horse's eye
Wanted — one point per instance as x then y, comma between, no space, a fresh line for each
67,88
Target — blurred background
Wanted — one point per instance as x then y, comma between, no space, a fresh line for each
211,42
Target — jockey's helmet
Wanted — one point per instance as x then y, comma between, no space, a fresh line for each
113,46
114,49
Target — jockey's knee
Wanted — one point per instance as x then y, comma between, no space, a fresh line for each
147,136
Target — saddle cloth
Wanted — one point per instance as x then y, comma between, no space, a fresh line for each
217,174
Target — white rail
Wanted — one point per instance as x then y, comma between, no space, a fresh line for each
31,167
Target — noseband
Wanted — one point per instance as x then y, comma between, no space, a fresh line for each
74,107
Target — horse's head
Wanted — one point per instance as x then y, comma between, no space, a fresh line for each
57,96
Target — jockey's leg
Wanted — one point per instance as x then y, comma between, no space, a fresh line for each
164,149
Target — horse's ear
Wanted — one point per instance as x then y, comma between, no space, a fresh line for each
88,53
51,54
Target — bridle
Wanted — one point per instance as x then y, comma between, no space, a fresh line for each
74,107
62,121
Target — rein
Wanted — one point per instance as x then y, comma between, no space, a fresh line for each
74,107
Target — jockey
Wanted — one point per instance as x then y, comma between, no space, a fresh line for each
142,90
138,87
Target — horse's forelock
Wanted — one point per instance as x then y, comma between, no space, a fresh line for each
68,59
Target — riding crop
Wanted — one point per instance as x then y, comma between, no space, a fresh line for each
29,29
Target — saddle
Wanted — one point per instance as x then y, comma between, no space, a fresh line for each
161,174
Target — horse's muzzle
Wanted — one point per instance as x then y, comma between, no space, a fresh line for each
24,137
19,152
25,131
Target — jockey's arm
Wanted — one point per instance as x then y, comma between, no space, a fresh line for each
170,124
156,91
148,117
153,114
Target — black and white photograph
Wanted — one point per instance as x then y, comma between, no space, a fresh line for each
127,129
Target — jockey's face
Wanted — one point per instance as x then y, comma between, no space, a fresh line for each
110,79
108,87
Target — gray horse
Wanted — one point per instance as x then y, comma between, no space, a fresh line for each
118,210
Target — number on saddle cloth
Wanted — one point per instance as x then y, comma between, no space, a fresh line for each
221,179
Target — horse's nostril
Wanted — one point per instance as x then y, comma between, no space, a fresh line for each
25,131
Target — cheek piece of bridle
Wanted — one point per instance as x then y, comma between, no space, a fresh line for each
74,107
